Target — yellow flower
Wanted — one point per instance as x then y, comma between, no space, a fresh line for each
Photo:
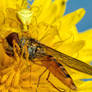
47,25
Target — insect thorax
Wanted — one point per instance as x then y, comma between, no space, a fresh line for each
33,47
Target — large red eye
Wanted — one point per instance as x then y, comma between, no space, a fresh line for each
11,37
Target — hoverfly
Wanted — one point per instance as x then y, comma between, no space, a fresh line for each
51,59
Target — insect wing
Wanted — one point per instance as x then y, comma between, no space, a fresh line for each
68,60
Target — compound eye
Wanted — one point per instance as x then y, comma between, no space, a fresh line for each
11,37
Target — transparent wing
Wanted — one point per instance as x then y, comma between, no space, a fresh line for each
68,60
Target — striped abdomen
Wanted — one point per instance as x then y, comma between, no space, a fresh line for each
58,71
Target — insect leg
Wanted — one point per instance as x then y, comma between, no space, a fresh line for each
15,49
53,84
40,78
36,62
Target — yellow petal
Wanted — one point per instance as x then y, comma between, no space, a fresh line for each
42,32
87,36
1,87
2,17
40,6
15,81
70,48
87,86
74,17
49,10
68,33
14,89
66,24
26,84
25,75
9,80
11,18
10,4
85,55
4,78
